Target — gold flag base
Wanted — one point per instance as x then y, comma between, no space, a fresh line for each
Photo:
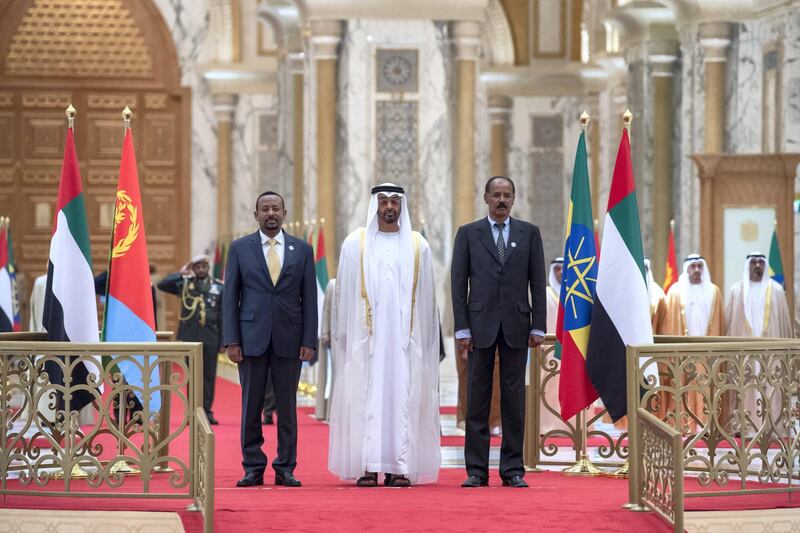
122,467
76,473
584,467
621,472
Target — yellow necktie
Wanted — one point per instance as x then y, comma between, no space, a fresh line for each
273,261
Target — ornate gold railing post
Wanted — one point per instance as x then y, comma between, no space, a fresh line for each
532,412
634,455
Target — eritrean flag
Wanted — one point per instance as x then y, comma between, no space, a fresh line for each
129,306
70,306
671,268
575,390
621,314
6,290
775,260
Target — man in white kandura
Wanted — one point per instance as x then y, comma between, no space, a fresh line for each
757,308
385,406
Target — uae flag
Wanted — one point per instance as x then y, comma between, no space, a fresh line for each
6,286
70,307
621,313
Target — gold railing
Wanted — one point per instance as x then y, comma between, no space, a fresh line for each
661,468
541,444
204,495
44,451
734,407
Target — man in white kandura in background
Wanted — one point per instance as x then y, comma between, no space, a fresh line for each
550,419
757,308
385,406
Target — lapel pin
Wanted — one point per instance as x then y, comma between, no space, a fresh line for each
513,245
291,247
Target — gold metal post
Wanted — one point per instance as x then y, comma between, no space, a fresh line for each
627,117
126,117
584,467
584,121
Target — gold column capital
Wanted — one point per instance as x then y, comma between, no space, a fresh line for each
325,37
224,106
466,37
500,109
715,37
662,55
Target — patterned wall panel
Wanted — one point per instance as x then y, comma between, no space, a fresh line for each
42,138
105,138
396,142
397,70
6,140
548,131
548,199
159,144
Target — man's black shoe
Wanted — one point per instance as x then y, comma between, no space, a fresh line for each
251,479
286,479
211,420
474,482
516,482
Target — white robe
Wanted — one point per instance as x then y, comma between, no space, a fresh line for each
385,406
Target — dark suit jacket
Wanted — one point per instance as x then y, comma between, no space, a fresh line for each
256,312
488,294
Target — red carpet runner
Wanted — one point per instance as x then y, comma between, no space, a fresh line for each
553,503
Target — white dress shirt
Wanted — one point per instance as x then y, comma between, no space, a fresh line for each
280,247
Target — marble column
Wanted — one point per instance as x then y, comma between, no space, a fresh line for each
466,39
298,111
715,39
499,116
325,37
662,59
224,107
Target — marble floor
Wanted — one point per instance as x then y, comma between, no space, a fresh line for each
35,521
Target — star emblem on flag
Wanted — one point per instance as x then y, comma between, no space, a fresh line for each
580,276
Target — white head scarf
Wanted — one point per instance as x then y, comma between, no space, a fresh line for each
371,261
697,299
551,278
653,289
754,303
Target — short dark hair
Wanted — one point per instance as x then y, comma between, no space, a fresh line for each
488,183
270,193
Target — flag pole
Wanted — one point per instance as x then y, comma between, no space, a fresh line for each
122,466
624,470
584,467
77,472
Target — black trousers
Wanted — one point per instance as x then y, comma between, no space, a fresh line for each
480,368
269,396
253,373
210,351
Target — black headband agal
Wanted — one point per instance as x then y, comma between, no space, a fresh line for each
693,258
387,188
756,256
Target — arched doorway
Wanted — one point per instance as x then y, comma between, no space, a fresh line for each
98,55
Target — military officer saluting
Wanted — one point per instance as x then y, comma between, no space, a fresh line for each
200,317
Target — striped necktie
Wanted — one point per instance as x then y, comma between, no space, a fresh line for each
501,242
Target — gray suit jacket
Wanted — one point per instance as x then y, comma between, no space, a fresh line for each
488,294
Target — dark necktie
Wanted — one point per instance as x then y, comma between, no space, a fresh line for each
501,242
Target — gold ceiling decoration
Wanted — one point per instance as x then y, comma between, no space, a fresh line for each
92,38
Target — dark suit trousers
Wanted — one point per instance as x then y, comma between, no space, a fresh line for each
512,409
253,373
210,351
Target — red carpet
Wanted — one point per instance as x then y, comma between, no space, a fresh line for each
554,502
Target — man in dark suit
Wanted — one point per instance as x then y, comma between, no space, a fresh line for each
497,262
270,324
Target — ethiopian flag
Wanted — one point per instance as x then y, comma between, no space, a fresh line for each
621,314
70,306
129,308
671,268
775,260
575,389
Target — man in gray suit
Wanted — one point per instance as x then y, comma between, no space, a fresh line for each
497,263
270,324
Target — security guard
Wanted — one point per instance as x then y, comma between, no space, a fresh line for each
200,317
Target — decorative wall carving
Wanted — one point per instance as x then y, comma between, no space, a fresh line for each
116,102
548,131
91,38
396,70
396,143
